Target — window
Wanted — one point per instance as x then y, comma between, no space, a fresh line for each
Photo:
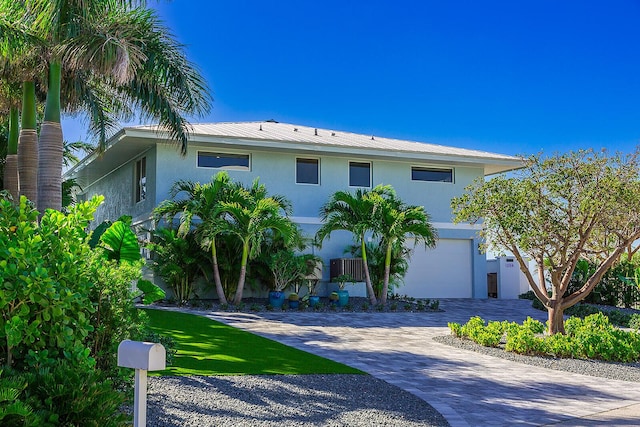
223,160
307,171
359,174
431,174
141,179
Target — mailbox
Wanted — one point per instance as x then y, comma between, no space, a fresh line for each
142,355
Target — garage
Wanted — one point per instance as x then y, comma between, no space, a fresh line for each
442,272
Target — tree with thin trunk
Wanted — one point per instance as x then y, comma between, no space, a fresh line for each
250,215
556,211
396,221
202,210
354,213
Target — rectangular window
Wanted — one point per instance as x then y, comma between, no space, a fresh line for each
359,174
307,171
431,174
223,160
141,179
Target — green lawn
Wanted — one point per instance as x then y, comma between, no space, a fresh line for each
207,347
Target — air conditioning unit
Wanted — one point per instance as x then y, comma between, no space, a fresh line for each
352,266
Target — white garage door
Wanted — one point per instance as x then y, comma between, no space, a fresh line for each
443,272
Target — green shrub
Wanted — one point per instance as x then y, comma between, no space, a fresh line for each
69,395
530,295
634,322
593,337
44,284
14,410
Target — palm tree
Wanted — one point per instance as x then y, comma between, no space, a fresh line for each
251,214
354,213
396,221
203,203
108,59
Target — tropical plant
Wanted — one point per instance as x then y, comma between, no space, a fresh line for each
354,213
397,221
105,59
377,253
287,269
202,210
175,259
250,216
44,313
557,210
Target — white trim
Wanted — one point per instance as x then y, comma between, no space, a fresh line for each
440,225
228,152
452,226
434,168
370,163
306,220
295,170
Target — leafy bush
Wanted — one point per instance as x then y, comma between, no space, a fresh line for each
177,260
69,395
530,295
45,284
14,410
593,337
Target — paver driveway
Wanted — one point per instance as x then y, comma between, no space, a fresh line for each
468,388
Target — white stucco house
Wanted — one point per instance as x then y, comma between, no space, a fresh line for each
307,165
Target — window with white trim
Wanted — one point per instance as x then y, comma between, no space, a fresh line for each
431,174
140,180
359,174
307,171
223,160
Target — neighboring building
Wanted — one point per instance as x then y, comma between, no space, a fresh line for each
307,165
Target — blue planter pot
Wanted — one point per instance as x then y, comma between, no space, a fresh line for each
343,298
294,304
276,299
314,300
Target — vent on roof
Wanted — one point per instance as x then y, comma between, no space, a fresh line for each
295,129
333,134
271,121
316,132
260,127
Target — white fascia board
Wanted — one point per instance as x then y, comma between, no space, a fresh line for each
439,225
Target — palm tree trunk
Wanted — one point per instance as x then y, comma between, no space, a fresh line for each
243,271
10,180
367,277
387,272
51,146
28,145
216,274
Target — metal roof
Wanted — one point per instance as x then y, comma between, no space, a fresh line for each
271,135
304,136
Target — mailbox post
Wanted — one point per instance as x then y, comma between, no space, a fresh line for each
143,357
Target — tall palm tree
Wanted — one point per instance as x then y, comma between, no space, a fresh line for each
397,221
251,214
110,59
354,213
203,203
20,48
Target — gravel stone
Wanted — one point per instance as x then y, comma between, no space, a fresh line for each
594,368
284,400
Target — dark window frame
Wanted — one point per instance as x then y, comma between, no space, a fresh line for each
241,166
369,177
432,174
308,160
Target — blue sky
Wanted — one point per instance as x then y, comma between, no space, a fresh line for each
514,77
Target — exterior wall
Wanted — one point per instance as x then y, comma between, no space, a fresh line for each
118,190
277,171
